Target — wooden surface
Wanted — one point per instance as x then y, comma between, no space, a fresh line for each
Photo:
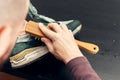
6,76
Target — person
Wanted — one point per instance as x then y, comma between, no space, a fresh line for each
60,41
11,21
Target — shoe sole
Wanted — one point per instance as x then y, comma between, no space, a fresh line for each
26,57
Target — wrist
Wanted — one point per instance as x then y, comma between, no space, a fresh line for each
70,57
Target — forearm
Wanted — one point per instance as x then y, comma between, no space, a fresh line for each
81,69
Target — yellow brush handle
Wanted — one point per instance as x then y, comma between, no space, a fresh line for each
91,48
32,28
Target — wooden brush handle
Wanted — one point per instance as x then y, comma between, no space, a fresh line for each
33,28
91,48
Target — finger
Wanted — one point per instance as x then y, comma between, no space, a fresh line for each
48,33
48,44
71,34
55,27
64,27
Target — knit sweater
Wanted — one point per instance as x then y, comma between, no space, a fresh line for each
81,69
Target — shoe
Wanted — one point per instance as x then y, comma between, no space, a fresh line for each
73,25
28,48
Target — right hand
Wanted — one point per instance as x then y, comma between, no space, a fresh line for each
60,42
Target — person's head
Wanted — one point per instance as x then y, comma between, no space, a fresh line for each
12,16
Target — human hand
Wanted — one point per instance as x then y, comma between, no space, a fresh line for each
60,42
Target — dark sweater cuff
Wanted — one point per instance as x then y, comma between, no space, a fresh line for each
75,61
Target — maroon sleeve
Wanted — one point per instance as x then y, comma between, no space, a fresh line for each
81,69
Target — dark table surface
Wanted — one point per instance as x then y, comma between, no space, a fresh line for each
101,25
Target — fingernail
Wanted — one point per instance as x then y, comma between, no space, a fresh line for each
42,40
40,25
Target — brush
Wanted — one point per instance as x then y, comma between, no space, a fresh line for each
33,29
